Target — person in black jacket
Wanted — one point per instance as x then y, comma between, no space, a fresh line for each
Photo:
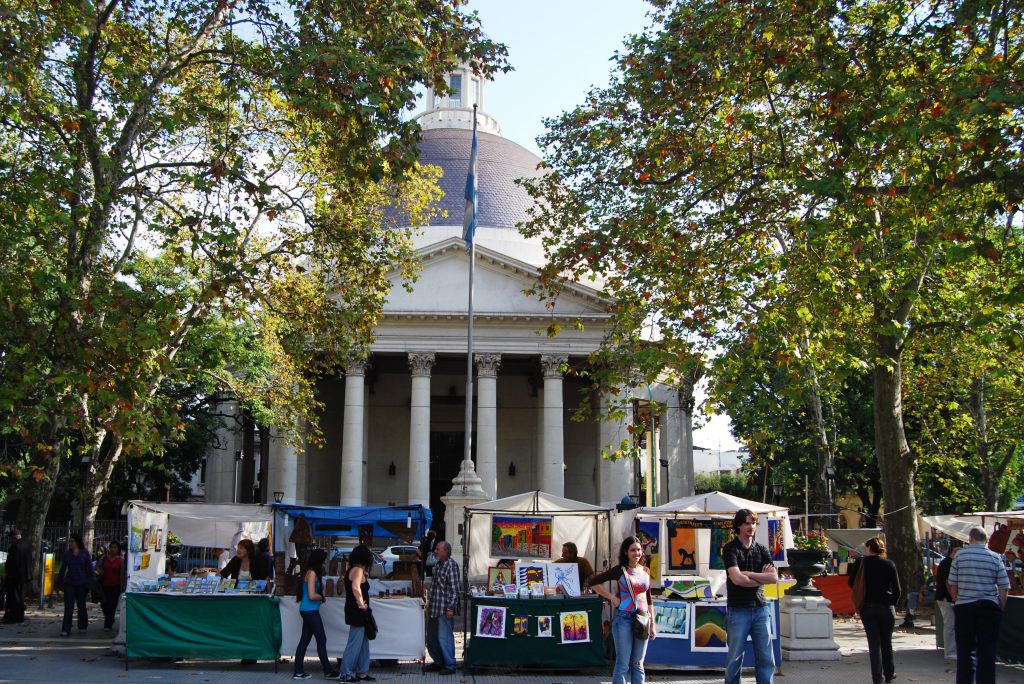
18,572
878,614
246,565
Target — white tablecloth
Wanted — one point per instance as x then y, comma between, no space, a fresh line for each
400,623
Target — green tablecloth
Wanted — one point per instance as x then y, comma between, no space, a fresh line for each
531,650
1010,647
219,626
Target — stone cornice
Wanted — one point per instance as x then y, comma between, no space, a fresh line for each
493,316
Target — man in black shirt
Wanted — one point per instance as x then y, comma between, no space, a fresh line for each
748,566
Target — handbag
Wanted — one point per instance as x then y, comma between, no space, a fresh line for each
640,620
370,625
431,559
859,586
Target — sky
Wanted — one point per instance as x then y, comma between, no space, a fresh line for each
560,49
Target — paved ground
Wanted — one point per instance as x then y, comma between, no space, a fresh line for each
34,652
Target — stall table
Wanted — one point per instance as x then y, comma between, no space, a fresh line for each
202,626
676,646
399,620
531,650
1010,646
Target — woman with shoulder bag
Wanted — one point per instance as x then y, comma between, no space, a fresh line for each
310,596
74,580
633,615
878,611
355,666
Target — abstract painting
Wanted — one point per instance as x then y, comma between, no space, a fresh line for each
776,547
566,576
709,627
682,544
543,625
529,574
648,532
490,622
672,619
575,629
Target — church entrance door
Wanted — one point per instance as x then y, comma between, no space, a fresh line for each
446,450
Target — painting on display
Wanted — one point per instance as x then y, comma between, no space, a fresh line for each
491,622
520,537
709,628
575,629
543,625
530,574
520,625
564,575
682,548
721,534
672,619
649,533
776,547
497,578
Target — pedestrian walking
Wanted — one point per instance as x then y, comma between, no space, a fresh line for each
748,567
944,600
878,613
442,607
355,666
111,572
17,573
979,586
310,595
73,580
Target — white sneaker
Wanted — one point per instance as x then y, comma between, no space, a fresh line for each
301,675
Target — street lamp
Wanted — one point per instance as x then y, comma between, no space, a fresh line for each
776,491
278,497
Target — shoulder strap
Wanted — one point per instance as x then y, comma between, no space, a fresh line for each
629,585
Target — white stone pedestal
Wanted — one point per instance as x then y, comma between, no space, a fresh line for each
805,625
467,489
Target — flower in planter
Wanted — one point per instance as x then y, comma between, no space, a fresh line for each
815,540
173,539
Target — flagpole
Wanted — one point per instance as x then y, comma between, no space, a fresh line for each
469,228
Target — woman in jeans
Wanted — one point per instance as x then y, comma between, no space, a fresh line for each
355,666
75,574
111,572
310,596
631,580
878,614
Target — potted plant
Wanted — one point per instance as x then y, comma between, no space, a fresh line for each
173,544
807,560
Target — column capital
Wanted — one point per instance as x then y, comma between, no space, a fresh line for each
551,364
421,363
487,365
356,366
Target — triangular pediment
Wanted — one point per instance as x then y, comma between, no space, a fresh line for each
499,282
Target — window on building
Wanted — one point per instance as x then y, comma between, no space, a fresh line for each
455,83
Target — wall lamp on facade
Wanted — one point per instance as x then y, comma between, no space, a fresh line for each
512,469
392,469
776,491
278,497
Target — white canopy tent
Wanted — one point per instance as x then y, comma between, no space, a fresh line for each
957,526
582,523
197,524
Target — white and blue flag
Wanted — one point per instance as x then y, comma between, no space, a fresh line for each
469,221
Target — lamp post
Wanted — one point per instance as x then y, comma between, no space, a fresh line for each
278,497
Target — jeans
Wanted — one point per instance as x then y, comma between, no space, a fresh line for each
110,597
312,626
357,653
75,594
948,628
879,620
755,622
977,629
629,651
441,641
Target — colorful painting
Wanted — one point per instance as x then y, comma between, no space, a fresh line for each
490,622
689,589
511,590
648,533
564,575
497,578
543,625
672,619
719,538
709,627
529,574
682,547
520,537
575,629
520,625
776,547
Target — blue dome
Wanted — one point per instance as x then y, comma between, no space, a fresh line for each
502,203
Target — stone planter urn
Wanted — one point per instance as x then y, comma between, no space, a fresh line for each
803,565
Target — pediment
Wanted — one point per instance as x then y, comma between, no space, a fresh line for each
499,285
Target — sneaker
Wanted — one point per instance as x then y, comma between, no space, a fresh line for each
65,633
366,678
446,671
301,675
333,675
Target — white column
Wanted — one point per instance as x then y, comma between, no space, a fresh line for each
552,461
419,428
686,405
615,475
673,431
487,421
351,491
284,466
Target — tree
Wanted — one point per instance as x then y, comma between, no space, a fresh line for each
850,152
167,165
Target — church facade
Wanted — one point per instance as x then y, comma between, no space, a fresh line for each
393,424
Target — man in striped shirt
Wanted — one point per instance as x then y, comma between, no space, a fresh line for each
979,585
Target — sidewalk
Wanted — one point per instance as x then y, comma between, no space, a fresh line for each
34,652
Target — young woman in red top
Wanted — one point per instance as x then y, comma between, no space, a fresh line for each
111,572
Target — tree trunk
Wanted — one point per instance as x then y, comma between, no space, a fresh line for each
96,485
35,503
896,464
823,449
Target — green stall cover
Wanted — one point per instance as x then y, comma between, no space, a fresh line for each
1010,646
214,627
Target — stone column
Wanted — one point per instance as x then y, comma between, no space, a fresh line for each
686,405
351,490
283,466
552,460
419,428
615,477
673,438
487,422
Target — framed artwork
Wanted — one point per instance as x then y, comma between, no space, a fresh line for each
776,547
544,625
709,627
682,548
564,575
520,625
528,574
649,532
145,562
575,629
511,590
497,578
521,537
490,622
719,538
672,619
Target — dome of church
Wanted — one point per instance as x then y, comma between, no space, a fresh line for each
501,203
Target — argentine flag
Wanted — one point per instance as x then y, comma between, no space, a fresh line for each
469,221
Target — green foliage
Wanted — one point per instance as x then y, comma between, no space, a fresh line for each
736,484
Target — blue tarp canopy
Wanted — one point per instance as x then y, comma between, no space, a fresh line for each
344,521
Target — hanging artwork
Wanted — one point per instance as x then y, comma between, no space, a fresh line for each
490,622
672,619
720,535
520,624
543,625
709,627
682,545
648,532
497,578
575,629
520,537
564,575
529,574
776,547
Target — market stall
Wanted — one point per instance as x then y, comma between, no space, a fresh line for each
684,540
